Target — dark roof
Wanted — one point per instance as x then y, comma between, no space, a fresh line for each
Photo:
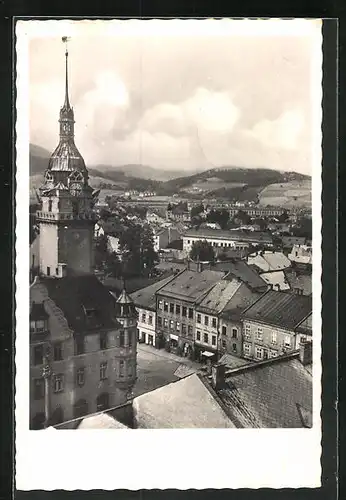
132,284
145,297
38,312
84,301
306,326
274,394
124,298
283,309
303,281
191,285
293,240
243,271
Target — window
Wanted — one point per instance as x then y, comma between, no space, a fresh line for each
165,322
198,335
184,311
190,313
177,309
143,317
41,325
57,351
178,326
183,329
206,320
56,270
150,319
59,382
48,271
171,307
129,339
50,202
171,324
224,330
121,338
79,345
159,321
103,341
213,322
103,371
121,368
205,338
234,347
273,354
259,333
38,388
80,377
213,340
247,331
165,306
287,341
189,330
274,338
160,304
247,349
38,354
234,333
259,352
199,319
302,339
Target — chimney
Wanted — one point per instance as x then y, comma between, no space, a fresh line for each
305,353
218,376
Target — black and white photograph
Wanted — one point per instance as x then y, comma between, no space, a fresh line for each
170,272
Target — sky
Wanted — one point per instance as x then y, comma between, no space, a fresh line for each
178,102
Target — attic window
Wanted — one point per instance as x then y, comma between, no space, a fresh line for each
92,316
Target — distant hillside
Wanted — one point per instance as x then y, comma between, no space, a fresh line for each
232,183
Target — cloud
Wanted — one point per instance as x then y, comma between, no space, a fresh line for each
284,132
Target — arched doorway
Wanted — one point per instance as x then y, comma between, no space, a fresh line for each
57,416
80,408
38,421
102,401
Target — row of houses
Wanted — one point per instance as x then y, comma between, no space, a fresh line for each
207,313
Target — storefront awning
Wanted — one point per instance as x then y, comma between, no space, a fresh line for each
208,354
174,337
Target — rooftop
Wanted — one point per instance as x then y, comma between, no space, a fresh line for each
251,236
273,394
240,269
276,279
220,294
84,301
145,297
299,280
186,403
282,309
269,261
191,285
101,421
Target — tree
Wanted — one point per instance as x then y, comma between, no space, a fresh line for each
195,211
304,228
219,216
283,217
148,255
137,250
202,251
243,217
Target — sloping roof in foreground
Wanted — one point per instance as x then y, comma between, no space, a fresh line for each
277,394
101,421
145,297
186,403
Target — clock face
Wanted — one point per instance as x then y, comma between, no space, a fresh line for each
76,189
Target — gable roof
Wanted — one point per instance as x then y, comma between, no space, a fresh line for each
75,295
282,309
145,297
191,285
218,297
186,403
270,261
274,394
276,278
241,270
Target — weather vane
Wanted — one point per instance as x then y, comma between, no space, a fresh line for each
65,39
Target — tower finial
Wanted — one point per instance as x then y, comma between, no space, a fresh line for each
65,39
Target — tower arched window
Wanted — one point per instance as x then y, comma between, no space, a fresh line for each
50,203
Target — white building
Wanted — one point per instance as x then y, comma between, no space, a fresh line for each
301,254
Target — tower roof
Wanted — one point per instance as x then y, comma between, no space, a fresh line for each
124,298
66,157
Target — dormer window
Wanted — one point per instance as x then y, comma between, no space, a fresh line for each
92,316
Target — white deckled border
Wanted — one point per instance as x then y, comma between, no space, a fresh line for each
113,459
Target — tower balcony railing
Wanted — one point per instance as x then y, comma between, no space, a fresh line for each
57,216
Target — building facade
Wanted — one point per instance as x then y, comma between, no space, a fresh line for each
82,341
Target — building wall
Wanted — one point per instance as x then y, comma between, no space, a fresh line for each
272,341
145,327
206,336
76,247
48,247
119,379
173,324
231,338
